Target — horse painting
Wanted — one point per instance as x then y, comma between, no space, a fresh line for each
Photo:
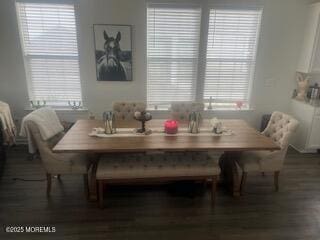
113,64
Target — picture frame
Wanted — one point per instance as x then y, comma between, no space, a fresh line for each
113,52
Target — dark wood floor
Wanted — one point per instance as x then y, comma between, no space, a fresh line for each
162,212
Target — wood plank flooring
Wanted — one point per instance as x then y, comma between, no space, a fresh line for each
162,211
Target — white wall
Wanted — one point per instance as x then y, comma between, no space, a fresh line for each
98,96
279,45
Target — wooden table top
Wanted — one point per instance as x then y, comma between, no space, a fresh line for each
244,138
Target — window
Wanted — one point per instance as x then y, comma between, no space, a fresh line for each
231,51
49,41
172,53
174,46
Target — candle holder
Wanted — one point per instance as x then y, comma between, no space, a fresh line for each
109,122
38,104
75,104
171,127
142,117
194,122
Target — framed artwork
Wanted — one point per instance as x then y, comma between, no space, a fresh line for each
113,52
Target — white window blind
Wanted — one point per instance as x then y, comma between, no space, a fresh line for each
172,53
231,51
49,40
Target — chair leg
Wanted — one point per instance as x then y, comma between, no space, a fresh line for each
100,185
243,182
213,190
276,180
86,184
48,184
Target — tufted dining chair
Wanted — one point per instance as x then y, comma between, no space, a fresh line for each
280,128
124,112
58,163
180,110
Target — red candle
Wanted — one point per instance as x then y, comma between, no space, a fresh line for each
171,126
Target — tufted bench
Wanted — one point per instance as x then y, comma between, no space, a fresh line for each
169,166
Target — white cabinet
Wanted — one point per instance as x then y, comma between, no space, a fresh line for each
307,137
309,61
314,138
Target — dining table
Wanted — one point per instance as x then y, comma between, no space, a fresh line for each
239,136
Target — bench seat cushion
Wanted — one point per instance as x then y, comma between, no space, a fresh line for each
157,166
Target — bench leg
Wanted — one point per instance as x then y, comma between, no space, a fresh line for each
213,189
276,180
243,182
48,184
100,185
86,185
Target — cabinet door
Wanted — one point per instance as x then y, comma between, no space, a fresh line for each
304,113
309,47
314,137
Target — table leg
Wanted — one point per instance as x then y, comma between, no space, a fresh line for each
229,172
93,191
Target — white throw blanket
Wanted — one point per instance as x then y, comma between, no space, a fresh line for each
9,128
48,123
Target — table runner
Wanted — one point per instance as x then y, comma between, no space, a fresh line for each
129,132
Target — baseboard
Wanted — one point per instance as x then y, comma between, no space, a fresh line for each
304,150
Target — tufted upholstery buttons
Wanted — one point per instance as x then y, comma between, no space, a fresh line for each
158,165
124,112
280,128
180,110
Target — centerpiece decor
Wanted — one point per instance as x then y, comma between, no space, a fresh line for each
216,125
239,104
303,85
142,117
194,122
109,120
75,104
38,104
171,126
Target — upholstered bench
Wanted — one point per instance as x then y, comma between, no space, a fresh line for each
160,167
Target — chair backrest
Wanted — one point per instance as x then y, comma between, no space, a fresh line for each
180,110
280,128
124,113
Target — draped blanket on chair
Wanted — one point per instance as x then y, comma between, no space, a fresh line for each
7,124
47,121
